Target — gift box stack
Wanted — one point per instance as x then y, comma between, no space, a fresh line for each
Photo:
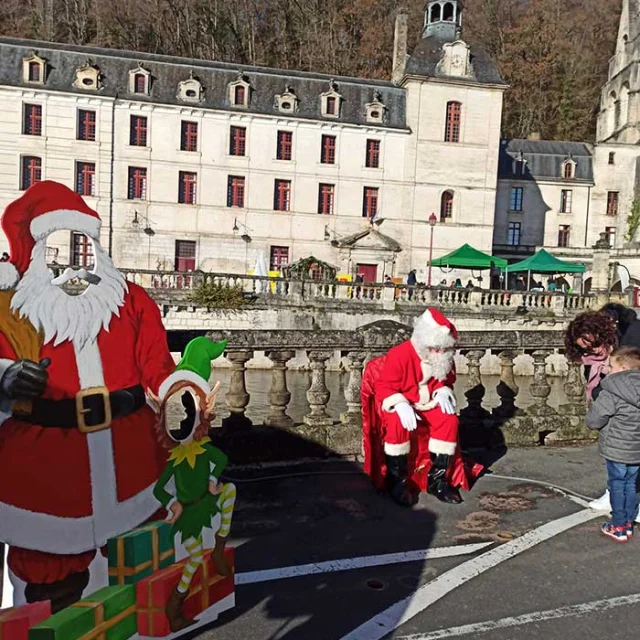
109,612
16,622
139,553
207,588
142,575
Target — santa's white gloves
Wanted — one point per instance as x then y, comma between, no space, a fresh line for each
407,416
446,400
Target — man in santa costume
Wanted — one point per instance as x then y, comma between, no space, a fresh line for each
409,416
78,454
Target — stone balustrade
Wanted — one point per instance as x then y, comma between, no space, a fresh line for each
173,287
509,422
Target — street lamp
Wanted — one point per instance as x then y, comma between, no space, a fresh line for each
432,223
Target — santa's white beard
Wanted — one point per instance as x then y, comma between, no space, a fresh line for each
64,317
440,364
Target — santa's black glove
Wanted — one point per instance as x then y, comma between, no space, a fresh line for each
25,380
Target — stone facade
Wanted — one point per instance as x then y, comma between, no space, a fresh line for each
388,152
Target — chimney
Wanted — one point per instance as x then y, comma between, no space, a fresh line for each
534,135
400,46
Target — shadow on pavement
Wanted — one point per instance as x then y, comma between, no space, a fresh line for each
309,513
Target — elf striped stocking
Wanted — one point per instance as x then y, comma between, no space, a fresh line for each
227,502
194,549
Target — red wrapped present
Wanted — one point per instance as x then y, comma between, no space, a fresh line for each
207,588
16,622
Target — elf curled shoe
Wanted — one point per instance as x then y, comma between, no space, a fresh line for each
189,487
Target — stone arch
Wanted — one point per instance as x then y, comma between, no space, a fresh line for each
624,104
449,12
447,201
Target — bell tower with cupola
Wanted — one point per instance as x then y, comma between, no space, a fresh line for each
443,20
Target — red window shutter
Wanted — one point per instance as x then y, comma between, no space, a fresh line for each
235,191
285,145
138,133
325,199
373,154
328,155
370,202
282,195
452,131
32,119
86,178
31,171
34,72
86,125
240,95
238,141
140,83
332,104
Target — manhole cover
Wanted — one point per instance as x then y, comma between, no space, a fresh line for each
376,585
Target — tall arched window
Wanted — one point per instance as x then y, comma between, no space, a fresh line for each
567,170
446,206
454,115
435,13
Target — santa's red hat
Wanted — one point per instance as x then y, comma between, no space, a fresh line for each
42,209
435,330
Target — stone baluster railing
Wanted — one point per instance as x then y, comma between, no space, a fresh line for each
511,421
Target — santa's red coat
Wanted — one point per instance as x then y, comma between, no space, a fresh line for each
65,492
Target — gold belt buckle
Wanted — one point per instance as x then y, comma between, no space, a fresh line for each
81,410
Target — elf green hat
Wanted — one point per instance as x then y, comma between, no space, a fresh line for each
195,365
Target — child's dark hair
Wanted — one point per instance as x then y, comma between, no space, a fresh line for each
627,356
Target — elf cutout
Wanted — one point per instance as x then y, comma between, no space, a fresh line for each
190,486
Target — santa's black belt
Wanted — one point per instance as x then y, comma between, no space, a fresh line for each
91,410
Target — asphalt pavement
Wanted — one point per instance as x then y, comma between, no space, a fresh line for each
320,555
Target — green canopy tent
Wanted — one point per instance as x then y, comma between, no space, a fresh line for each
544,262
466,257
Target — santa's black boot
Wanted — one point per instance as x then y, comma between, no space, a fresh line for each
397,485
437,484
62,593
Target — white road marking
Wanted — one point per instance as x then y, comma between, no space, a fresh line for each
402,611
266,575
528,618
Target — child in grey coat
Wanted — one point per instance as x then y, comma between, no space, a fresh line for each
616,412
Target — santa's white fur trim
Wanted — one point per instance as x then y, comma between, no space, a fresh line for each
428,334
63,220
427,406
397,449
182,375
389,404
442,446
9,276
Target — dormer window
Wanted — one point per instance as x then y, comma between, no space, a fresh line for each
190,90
88,77
140,81
33,69
287,102
240,91
568,169
331,101
376,109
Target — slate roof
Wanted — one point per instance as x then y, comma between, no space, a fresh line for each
426,56
168,71
544,159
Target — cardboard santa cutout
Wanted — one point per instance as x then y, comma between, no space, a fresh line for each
410,428
78,453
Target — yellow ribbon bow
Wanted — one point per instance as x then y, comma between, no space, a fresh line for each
189,452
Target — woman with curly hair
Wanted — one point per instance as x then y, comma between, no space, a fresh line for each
590,338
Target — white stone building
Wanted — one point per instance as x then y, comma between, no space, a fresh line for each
564,211
204,165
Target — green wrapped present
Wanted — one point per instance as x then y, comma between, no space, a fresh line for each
108,614
137,554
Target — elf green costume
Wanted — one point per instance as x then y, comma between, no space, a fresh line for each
194,469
